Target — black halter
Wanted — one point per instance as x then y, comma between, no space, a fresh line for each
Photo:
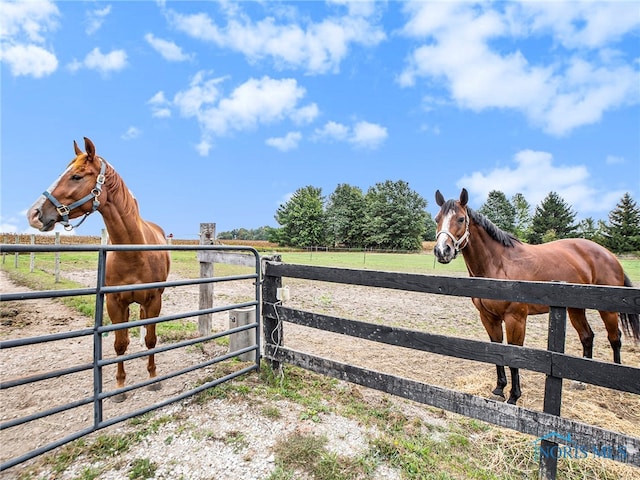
65,210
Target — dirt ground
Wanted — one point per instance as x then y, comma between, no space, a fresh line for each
431,313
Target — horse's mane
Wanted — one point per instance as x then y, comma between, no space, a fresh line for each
120,192
504,238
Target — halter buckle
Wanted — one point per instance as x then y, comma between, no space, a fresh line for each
63,210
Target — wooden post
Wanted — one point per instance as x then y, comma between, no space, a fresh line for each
207,237
32,255
104,237
272,328
17,241
57,259
553,390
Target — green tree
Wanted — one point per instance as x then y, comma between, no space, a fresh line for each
260,233
622,233
345,216
522,221
430,228
552,220
395,216
588,228
302,219
498,209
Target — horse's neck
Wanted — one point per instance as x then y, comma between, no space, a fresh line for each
120,213
482,254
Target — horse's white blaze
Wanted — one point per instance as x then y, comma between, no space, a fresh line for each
444,233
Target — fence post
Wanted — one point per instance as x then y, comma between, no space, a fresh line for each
553,390
32,255
207,237
57,259
272,329
17,242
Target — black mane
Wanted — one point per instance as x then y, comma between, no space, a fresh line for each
505,238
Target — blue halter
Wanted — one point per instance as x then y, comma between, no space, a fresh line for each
64,211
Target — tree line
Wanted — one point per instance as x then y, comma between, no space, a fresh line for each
392,216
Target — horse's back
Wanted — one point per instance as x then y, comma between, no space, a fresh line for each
577,260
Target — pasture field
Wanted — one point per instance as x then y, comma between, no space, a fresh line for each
185,265
417,442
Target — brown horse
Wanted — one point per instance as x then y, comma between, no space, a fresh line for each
88,184
492,253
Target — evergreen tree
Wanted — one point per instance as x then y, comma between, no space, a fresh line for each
431,228
622,234
345,216
395,216
552,220
498,209
588,228
302,219
522,221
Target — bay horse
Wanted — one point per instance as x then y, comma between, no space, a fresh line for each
91,184
490,252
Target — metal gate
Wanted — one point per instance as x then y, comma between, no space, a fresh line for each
95,368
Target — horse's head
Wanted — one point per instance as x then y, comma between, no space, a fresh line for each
78,191
452,233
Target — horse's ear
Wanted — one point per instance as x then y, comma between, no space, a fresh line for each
77,148
89,147
464,197
439,198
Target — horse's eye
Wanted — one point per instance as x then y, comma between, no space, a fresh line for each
460,219
76,177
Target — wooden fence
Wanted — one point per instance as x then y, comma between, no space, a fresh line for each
556,365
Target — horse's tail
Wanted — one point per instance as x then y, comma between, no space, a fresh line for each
630,321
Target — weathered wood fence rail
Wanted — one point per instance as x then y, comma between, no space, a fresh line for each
552,362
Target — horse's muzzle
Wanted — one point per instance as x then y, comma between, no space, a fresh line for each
36,218
444,253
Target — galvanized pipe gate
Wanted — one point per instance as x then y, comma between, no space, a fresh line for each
99,395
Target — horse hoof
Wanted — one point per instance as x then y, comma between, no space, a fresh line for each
498,392
121,397
154,387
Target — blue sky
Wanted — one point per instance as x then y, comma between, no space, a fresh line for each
219,111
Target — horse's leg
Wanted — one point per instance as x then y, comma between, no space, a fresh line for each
515,321
119,313
493,326
579,322
151,310
614,334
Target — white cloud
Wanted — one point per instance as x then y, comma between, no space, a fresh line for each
159,106
95,19
368,135
332,131
361,135
535,175
461,51
200,92
289,142
614,160
169,50
317,47
255,102
29,60
204,147
131,133
104,63
23,29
